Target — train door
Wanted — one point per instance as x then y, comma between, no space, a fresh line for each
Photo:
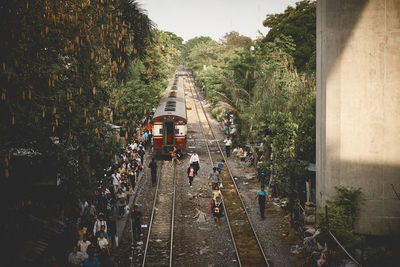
169,133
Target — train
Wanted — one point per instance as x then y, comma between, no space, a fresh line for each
170,118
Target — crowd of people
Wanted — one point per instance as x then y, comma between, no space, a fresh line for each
97,220
97,232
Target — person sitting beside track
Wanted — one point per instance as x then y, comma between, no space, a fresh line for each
240,153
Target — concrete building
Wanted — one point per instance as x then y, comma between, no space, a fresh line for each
358,107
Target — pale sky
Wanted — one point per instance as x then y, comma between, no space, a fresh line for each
214,18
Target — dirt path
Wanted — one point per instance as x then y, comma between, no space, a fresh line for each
274,232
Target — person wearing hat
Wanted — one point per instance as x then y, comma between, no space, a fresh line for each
99,222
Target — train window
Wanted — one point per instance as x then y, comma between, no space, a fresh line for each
171,103
176,131
160,132
170,106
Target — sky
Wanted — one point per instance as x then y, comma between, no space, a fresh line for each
214,18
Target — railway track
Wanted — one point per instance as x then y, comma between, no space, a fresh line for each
160,235
245,241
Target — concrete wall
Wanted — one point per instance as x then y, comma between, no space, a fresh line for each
358,107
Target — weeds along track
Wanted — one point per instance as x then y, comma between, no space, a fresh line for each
159,241
247,245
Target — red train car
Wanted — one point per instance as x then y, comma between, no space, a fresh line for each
170,119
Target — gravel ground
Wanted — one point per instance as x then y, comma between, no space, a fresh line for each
202,243
274,232
198,243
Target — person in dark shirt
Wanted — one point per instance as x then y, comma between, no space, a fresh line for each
93,249
141,153
153,170
136,219
102,229
217,210
91,262
112,230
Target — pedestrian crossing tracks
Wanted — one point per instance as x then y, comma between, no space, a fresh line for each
160,236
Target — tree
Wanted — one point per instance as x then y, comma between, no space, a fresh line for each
61,61
235,40
190,44
299,23
263,90
147,79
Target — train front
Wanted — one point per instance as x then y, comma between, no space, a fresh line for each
170,119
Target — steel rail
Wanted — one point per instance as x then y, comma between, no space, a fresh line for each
152,216
172,218
151,221
233,180
212,164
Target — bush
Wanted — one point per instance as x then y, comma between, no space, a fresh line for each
343,210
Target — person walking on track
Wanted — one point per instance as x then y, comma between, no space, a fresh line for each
262,195
174,156
214,177
137,221
194,159
217,209
228,144
153,170
190,173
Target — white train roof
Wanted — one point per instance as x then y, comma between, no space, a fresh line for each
173,101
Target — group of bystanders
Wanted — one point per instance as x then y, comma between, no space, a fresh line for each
97,231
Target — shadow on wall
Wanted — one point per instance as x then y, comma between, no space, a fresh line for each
358,111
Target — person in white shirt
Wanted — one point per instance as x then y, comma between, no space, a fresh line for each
99,222
75,258
134,146
116,180
83,245
228,144
103,243
194,159
83,205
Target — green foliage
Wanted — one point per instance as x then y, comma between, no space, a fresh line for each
147,79
190,44
69,69
343,210
299,23
269,100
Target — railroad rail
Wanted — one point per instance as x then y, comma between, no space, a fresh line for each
245,241
159,242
